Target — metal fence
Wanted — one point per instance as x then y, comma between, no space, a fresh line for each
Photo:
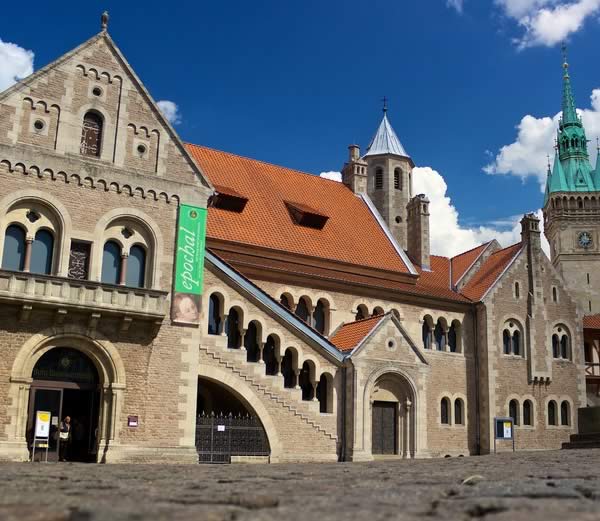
219,437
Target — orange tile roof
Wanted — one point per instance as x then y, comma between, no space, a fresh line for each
591,322
489,272
349,335
351,234
462,262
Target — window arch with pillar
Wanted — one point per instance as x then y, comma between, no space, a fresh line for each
32,234
325,393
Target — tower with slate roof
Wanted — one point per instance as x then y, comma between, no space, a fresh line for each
572,205
389,178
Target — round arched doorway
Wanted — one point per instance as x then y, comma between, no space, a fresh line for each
227,427
392,416
66,383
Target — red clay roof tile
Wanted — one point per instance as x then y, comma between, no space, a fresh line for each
351,234
349,335
591,322
489,272
462,262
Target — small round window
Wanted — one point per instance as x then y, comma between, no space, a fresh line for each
97,91
141,149
39,125
391,344
398,219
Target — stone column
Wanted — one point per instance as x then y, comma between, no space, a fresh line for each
261,348
314,384
242,339
123,274
27,260
408,440
279,359
297,373
222,330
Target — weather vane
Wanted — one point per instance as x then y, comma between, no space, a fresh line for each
384,100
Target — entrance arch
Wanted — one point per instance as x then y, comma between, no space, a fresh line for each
390,405
239,391
107,364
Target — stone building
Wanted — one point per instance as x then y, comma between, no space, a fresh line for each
324,331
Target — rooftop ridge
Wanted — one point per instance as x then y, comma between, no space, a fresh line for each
472,249
261,161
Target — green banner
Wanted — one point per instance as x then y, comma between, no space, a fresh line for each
191,240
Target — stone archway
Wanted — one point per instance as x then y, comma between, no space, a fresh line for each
111,374
240,389
390,421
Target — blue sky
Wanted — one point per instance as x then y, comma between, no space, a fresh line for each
294,83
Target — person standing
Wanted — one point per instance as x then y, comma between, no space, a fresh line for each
64,438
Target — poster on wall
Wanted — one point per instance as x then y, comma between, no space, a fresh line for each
189,265
42,424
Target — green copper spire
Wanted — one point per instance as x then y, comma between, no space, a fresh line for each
569,114
572,171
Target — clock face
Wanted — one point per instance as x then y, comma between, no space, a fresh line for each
585,239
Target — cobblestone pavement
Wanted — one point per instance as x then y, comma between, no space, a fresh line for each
558,485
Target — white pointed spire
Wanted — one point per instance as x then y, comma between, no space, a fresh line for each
385,141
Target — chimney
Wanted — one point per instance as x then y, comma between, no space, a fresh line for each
354,173
530,231
418,231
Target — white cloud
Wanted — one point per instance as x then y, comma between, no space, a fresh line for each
456,4
448,236
548,22
334,176
170,110
15,63
526,156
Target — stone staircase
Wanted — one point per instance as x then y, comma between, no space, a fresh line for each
271,387
583,441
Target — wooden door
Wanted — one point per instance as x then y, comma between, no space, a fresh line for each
384,428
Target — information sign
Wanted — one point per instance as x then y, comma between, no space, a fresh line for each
42,424
504,430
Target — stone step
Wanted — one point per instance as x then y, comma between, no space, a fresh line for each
590,436
582,445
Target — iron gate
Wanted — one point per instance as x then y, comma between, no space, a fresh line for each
218,437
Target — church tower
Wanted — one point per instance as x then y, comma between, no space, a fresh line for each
389,178
572,206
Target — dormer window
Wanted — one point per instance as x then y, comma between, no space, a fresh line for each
305,216
228,200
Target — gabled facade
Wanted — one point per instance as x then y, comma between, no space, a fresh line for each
325,330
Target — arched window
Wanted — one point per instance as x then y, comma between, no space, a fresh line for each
214,314
506,341
565,413
445,411
555,346
377,311
111,263
251,343
561,343
306,381
91,135
454,337
439,334
516,342
324,394
287,368
319,316
398,179
552,419
427,333
13,256
458,412
302,310
513,411
136,267
270,357
284,300
41,252
362,312
527,412
378,179
232,328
